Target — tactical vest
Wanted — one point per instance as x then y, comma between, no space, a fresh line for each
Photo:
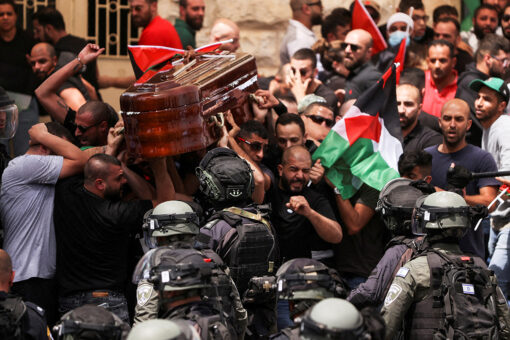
461,303
249,248
12,310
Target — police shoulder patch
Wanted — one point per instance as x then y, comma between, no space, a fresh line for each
392,295
402,272
143,293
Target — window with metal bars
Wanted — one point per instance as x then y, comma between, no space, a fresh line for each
109,25
26,9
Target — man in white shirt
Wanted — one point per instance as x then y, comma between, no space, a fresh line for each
305,15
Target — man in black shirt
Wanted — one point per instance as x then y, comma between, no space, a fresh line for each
93,227
416,136
303,219
49,26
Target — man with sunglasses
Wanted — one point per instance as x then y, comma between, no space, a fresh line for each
318,119
305,15
492,60
357,49
253,139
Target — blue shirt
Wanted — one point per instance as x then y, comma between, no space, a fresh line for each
475,160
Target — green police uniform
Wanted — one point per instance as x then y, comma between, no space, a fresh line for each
147,301
412,285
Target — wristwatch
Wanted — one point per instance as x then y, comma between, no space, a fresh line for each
336,191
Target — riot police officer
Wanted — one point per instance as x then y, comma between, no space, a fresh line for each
304,282
451,294
395,205
18,319
90,322
159,329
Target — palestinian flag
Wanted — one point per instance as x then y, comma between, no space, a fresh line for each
365,145
362,19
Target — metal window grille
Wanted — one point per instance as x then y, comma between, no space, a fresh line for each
109,25
26,8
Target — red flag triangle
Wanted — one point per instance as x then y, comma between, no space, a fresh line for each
362,19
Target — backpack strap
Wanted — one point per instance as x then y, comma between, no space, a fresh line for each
435,263
243,213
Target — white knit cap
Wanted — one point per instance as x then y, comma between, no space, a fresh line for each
400,17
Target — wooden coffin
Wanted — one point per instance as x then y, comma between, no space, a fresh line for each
179,110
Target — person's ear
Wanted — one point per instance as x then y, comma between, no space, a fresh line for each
280,169
469,123
502,105
428,179
99,184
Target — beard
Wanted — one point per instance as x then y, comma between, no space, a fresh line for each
479,32
112,194
351,64
287,185
316,19
195,23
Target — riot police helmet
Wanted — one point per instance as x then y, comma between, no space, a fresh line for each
333,318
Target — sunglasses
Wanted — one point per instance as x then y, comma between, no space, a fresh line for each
503,61
254,146
317,3
354,47
505,17
319,120
302,71
84,129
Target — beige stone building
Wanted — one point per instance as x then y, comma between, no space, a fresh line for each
262,22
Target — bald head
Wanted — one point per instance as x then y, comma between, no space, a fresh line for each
43,48
455,121
225,29
456,105
43,60
6,274
358,48
297,152
361,37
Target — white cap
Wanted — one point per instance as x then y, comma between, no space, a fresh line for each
400,17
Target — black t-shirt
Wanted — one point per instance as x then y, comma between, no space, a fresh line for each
358,254
92,237
296,235
15,72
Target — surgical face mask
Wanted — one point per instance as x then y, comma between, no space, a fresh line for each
397,36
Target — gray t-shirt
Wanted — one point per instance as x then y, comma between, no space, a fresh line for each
26,207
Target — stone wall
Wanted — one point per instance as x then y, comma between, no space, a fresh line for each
263,22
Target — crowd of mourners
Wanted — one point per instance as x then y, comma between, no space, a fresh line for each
250,238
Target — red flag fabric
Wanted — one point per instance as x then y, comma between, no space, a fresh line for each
144,57
362,19
400,59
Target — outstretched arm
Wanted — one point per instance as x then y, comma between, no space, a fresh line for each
47,92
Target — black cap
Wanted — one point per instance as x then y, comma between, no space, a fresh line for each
4,98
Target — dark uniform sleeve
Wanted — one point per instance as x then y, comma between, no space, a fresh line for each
373,290
35,326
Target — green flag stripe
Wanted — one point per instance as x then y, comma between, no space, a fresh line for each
359,160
